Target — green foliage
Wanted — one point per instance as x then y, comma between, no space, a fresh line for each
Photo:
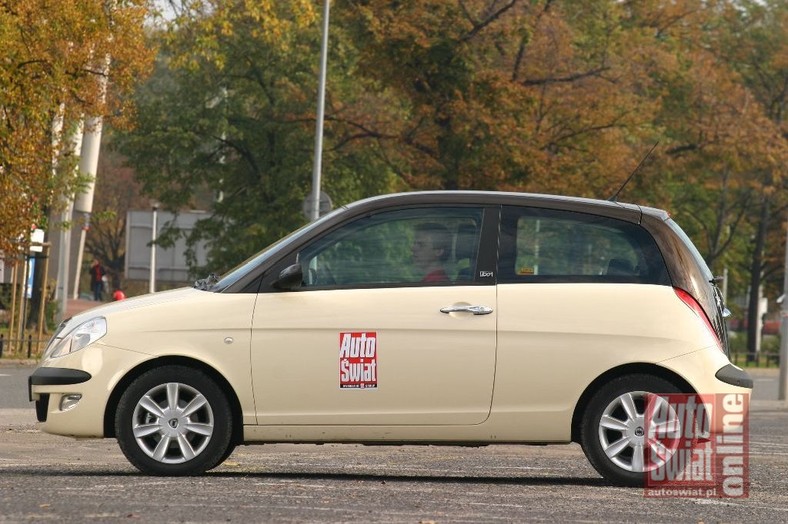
231,130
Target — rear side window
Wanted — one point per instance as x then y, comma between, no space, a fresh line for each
539,245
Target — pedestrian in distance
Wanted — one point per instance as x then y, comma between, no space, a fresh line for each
97,274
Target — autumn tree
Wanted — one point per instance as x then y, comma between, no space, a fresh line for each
511,95
756,46
722,168
538,95
52,74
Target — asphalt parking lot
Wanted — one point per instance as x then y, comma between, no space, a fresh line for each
45,477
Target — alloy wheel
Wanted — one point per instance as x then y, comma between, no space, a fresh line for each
173,423
638,431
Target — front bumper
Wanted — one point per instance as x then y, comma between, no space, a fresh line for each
52,377
90,374
55,377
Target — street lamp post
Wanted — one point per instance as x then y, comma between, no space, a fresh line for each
153,231
321,97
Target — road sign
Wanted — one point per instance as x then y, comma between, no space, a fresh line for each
325,205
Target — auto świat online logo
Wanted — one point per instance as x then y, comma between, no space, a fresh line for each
697,446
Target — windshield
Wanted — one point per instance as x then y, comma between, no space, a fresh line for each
255,260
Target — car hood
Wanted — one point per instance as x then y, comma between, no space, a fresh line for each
152,299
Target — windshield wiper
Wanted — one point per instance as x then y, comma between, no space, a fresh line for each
204,284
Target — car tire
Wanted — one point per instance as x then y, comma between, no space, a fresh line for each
614,433
229,451
174,420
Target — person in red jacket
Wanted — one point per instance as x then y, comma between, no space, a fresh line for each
97,279
430,251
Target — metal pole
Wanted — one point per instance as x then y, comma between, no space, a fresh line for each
64,256
152,280
22,303
12,316
321,100
783,388
78,265
41,310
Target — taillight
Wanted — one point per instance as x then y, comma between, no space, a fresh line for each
691,303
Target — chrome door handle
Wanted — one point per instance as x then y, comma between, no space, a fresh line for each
476,310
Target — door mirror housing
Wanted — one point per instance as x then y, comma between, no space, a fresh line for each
290,278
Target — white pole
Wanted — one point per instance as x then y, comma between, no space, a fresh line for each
80,250
64,254
88,165
152,281
321,100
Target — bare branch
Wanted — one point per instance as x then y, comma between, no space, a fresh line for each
565,79
478,27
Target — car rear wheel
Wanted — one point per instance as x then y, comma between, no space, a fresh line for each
174,420
619,424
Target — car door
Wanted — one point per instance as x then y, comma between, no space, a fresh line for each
375,335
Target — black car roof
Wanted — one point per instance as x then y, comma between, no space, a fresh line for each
630,212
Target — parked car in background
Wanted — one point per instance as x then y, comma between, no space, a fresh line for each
418,318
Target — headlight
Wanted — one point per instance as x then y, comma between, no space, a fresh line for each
78,338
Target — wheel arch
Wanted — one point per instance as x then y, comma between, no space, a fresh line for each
641,368
128,378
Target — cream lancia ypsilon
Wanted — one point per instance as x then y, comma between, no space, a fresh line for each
420,318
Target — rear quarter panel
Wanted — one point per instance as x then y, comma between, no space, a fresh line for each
555,339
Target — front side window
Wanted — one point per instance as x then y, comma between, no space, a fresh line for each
559,246
423,246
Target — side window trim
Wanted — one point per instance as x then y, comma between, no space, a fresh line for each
482,256
486,272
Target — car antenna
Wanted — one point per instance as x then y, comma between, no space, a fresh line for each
615,196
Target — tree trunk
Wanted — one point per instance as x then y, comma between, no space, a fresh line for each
756,269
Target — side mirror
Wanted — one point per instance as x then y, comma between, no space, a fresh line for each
290,278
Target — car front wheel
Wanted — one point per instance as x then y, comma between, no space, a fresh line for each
174,420
619,427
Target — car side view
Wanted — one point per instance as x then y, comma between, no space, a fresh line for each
445,317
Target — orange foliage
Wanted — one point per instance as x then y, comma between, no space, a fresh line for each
551,96
52,69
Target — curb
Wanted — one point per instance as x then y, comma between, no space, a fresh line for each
768,405
16,362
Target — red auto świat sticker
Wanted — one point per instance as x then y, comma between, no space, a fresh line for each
358,360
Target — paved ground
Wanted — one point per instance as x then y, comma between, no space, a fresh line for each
76,306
